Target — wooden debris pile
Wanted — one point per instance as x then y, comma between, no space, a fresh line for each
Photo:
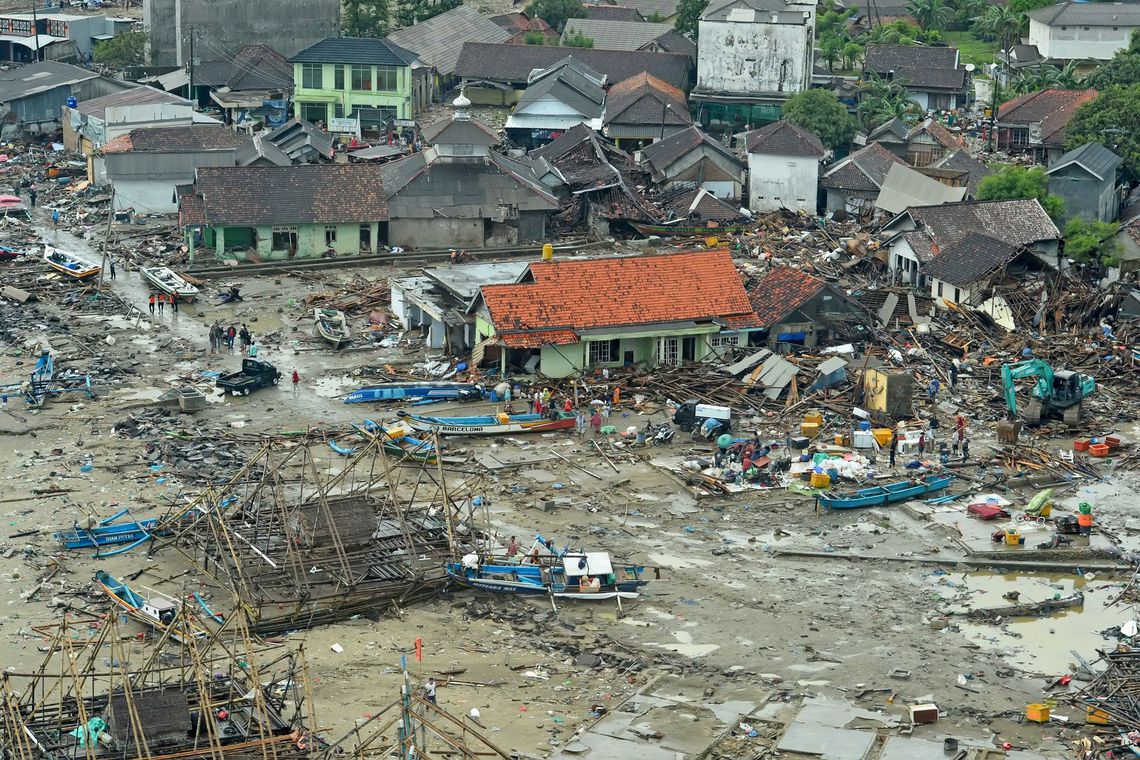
361,296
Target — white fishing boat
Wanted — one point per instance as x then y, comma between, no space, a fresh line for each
170,282
332,326
70,264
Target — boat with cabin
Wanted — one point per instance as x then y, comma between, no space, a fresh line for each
877,496
491,424
157,610
71,264
170,282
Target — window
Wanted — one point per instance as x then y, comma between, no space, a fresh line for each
362,78
330,234
724,340
284,238
338,110
312,76
386,78
1086,28
940,289
338,77
314,112
603,351
957,296
669,351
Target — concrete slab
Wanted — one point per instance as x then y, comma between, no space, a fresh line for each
909,748
826,742
837,713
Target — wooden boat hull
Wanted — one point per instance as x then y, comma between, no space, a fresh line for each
70,265
401,391
489,425
332,326
665,230
1028,609
134,605
169,282
882,495
79,538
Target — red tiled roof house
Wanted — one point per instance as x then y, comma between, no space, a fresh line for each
577,315
794,307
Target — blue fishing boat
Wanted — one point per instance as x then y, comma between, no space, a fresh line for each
159,610
106,533
493,424
437,391
561,574
37,388
891,493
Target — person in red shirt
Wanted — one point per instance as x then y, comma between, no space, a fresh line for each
296,381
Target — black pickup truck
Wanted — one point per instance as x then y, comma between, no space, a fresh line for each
254,374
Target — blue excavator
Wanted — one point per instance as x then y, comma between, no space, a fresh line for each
1056,393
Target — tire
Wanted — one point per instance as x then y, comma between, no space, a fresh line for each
276,380
686,427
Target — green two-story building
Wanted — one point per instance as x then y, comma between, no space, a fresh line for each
353,78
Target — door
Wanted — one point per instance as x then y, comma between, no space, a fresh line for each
669,351
627,358
689,349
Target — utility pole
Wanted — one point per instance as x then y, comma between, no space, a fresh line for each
36,31
995,83
190,75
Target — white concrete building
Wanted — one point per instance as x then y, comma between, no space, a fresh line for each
783,168
1081,31
757,50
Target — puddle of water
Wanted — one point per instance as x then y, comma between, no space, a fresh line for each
1038,644
676,562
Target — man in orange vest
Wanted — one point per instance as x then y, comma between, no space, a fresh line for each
1085,519
150,302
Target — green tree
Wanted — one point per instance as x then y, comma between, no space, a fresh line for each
1110,120
534,38
1001,24
830,48
1123,70
881,100
852,52
578,40
1092,241
688,15
967,10
930,14
411,12
1048,77
655,18
123,50
1024,6
557,12
1020,182
365,18
820,112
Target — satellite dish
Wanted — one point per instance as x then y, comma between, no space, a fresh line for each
970,68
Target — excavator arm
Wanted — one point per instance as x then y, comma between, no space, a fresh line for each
1031,368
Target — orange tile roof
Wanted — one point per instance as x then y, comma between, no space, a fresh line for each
781,291
559,299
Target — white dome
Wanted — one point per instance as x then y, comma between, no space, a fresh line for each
462,101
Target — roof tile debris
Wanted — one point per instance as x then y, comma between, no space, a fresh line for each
202,137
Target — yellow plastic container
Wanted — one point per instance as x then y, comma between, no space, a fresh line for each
1013,538
712,242
809,430
547,252
820,480
882,435
814,416
1038,713
840,439
1096,715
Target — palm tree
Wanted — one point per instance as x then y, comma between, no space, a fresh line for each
1001,24
1047,77
881,100
930,14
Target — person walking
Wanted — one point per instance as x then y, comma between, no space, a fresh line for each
596,422
934,425
954,374
161,304
965,449
894,446
429,690
213,340
55,217
231,333
150,303
174,304
112,268
932,390
252,350
32,195
922,442
580,423
296,381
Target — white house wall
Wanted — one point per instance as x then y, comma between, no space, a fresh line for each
1070,42
756,58
776,182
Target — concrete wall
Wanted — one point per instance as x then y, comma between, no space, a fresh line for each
776,182
1085,197
757,58
311,243
287,26
941,291
562,361
1077,42
146,181
436,233
328,96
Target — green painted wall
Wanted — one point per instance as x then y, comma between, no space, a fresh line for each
231,242
562,361
328,95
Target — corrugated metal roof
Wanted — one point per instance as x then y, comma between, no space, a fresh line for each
359,50
40,77
1089,14
615,35
438,40
904,187
1093,157
514,63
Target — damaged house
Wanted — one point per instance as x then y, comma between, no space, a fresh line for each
953,251
690,158
460,193
794,308
549,321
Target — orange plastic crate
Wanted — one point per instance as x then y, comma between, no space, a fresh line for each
1081,444
1098,450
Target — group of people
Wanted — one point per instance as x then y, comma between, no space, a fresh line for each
927,440
224,337
157,299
